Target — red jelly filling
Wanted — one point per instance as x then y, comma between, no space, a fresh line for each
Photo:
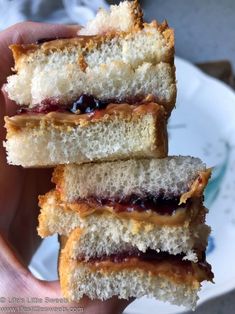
44,108
149,255
45,40
154,257
135,203
83,104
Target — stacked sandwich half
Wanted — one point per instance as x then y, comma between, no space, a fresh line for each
131,220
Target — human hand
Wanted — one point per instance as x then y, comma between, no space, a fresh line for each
19,190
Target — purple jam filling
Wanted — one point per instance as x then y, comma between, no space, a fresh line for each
45,40
83,104
153,257
149,255
136,203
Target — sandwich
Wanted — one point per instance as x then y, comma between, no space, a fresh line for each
144,203
130,220
104,95
132,273
124,221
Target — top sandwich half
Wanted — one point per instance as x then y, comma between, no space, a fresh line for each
104,95
116,58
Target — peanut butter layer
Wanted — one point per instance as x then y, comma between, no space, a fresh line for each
197,187
56,119
195,213
172,268
180,216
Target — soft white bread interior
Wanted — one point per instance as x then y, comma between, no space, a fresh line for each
167,177
106,232
120,18
57,138
78,279
108,236
114,66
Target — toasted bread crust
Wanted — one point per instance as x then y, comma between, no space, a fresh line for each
137,14
123,48
86,44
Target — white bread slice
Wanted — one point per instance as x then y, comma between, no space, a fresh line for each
104,281
119,235
119,132
117,66
167,177
106,232
120,18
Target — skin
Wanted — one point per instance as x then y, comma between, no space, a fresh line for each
19,190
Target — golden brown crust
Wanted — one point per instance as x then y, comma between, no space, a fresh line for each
64,270
63,240
85,44
68,241
58,178
51,120
198,186
42,228
137,14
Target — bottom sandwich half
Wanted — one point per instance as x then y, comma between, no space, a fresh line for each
133,274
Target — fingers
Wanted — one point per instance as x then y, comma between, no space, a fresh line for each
28,32
111,306
25,220
12,270
17,281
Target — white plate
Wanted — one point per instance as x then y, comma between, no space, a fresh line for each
203,125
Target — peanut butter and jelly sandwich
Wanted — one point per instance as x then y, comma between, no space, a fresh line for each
104,96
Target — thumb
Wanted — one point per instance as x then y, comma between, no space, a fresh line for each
26,33
18,288
85,305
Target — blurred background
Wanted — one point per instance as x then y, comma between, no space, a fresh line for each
204,31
